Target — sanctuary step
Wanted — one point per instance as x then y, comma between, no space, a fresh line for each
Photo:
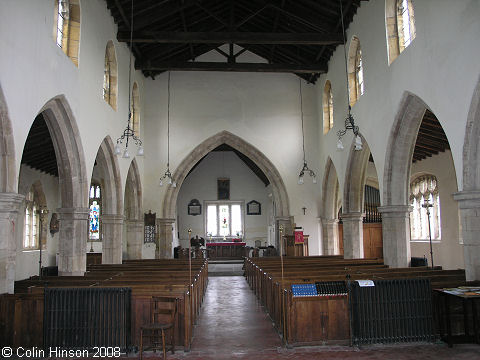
225,268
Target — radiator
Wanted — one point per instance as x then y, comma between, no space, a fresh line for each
84,318
392,311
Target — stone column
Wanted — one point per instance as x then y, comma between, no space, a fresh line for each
112,231
72,242
9,206
165,229
469,205
134,238
396,234
331,245
352,235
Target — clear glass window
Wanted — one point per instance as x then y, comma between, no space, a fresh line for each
224,219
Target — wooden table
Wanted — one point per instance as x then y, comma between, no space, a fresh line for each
226,250
467,297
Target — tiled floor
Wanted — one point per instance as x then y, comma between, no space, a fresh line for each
233,325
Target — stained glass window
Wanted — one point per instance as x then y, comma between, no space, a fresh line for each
95,212
224,219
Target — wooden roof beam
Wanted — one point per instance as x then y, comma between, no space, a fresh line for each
236,67
167,37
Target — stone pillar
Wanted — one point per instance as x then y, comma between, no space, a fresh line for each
287,223
72,242
469,205
331,245
9,206
112,230
165,228
352,235
134,238
396,234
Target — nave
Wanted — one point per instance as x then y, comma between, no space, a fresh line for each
234,325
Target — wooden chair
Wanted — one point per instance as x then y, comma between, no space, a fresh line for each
163,313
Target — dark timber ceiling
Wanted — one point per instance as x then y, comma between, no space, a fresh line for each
251,164
431,138
39,152
294,36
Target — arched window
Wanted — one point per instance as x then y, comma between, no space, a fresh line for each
95,212
135,109
31,221
355,71
400,26
327,107
67,27
110,76
422,190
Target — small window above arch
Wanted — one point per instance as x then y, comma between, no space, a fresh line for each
400,23
355,71
66,31
327,107
110,76
135,109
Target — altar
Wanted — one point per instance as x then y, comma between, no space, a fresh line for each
226,250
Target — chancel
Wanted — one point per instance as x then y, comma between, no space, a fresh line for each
166,167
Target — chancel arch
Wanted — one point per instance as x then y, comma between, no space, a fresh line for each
330,202
106,173
133,213
278,188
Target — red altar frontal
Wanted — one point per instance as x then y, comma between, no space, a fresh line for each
226,250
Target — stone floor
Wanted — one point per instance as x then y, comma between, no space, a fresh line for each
233,325
225,268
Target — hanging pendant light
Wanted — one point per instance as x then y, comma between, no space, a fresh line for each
129,133
305,169
168,175
349,121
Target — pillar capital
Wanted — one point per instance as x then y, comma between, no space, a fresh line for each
468,199
112,219
353,216
10,202
395,210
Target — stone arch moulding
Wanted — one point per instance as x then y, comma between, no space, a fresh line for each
8,175
396,180
330,192
73,211
112,193
225,137
133,181
355,178
471,150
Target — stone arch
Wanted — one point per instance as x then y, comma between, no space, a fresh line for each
107,163
355,177
225,137
330,201
396,180
112,202
73,214
469,198
133,212
8,175
353,199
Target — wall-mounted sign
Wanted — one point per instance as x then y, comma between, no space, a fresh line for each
194,207
254,208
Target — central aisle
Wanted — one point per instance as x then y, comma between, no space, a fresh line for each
232,321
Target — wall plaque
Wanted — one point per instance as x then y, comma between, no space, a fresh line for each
149,233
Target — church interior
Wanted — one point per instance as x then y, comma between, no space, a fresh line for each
308,163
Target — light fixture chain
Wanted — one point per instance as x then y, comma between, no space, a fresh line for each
130,70
301,113
345,54
168,123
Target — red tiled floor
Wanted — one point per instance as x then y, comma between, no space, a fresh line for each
233,325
